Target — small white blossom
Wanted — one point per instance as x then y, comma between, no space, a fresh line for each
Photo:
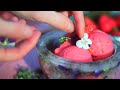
84,42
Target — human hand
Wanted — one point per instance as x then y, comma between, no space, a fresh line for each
59,20
26,36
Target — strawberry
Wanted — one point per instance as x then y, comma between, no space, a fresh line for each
117,19
89,21
115,33
106,23
90,28
70,34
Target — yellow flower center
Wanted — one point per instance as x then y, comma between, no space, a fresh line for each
84,41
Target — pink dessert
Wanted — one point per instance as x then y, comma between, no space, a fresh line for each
69,51
62,46
102,45
76,54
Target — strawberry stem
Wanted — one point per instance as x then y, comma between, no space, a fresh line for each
115,29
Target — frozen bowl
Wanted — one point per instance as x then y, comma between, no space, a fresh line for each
55,67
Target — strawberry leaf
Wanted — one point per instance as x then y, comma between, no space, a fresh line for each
63,39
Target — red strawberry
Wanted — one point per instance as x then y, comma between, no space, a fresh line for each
117,19
106,23
89,21
70,34
89,28
103,18
115,33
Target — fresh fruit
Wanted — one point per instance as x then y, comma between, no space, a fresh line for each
70,34
117,33
117,19
106,23
89,21
90,28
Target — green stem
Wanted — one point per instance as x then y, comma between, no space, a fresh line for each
63,39
115,29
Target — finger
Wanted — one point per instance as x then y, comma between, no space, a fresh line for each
32,28
15,19
7,15
21,49
14,30
66,13
80,23
22,21
56,19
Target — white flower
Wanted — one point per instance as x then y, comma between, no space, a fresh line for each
84,42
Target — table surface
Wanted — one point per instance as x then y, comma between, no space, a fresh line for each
9,69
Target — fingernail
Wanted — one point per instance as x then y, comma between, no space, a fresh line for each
70,27
82,34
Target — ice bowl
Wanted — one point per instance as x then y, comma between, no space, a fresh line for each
56,67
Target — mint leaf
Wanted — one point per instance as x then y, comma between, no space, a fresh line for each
63,39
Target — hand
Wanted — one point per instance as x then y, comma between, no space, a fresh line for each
79,21
59,20
25,36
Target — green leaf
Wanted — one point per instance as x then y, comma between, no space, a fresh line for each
106,69
63,39
24,74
